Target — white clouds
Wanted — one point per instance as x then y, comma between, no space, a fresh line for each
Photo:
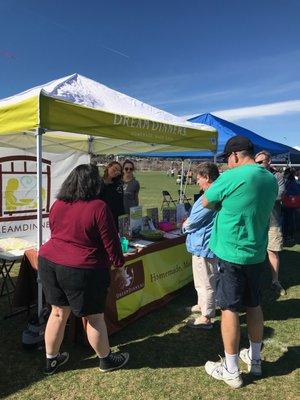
297,147
264,110
190,90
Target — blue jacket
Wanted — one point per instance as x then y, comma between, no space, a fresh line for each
198,228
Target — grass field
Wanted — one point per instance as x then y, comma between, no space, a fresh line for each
153,182
166,358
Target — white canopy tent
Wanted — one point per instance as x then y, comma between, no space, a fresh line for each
78,113
72,109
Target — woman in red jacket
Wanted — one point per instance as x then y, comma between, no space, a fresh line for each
74,266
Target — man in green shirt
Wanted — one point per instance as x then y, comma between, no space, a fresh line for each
246,194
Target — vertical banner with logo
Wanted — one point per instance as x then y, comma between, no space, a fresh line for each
18,189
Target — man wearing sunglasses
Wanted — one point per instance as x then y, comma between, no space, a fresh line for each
275,241
246,194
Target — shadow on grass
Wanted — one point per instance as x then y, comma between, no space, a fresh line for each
184,348
289,268
288,362
284,365
289,276
20,368
159,320
158,340
282,310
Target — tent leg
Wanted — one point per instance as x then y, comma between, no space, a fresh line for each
186,180
90,145
39,149
181,183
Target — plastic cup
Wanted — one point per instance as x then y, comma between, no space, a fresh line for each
124,244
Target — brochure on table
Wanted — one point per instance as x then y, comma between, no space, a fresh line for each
142,230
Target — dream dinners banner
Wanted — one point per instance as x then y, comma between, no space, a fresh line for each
18,189
151,277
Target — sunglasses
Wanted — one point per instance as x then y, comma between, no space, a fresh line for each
225,158
128,169
260,162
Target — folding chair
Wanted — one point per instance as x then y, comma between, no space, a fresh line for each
186,200
167,200
7,285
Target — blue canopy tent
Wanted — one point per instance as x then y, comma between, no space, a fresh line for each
226,130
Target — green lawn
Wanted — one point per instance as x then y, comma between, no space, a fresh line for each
166,358
153,182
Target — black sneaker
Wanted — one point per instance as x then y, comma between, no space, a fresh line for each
53,363
113,361
278,288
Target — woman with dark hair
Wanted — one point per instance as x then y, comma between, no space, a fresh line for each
74,266
112,189
131,186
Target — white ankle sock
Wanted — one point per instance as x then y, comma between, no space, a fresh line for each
50,356
232,364
254,350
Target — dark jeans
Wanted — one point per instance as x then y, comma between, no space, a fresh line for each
289,223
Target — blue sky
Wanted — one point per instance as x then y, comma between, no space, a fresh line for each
237,59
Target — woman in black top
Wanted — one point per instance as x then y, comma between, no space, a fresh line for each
112,189
131,186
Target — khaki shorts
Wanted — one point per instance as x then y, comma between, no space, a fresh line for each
275,239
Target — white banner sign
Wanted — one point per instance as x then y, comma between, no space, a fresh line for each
18,189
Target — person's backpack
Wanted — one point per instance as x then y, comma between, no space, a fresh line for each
33,335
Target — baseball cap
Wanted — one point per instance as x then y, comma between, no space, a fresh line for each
237,143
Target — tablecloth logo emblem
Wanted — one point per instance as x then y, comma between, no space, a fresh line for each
133,280
18,191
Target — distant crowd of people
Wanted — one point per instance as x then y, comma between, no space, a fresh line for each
187,177
231,229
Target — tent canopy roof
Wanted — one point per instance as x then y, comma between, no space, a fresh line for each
70,108
226,130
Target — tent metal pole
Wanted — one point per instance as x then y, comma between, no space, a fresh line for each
181,182
215,158
90,146
186,180
39,149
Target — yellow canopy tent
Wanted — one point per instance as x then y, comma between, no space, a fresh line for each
77,113
71,110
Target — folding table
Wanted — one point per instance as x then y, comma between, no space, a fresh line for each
7,261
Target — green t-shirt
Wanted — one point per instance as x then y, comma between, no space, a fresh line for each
247,195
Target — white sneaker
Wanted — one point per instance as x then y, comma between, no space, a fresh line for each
194,309
218,371
253,366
